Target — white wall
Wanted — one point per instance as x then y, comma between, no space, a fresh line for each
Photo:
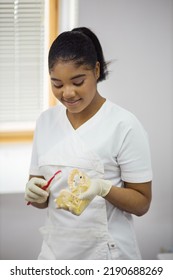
139,34
14,166
19,223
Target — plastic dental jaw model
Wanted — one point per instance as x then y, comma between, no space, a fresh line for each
78,182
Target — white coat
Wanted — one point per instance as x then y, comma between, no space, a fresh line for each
102,148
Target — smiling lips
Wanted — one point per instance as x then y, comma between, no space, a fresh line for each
71,102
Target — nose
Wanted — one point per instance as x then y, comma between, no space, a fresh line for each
68,92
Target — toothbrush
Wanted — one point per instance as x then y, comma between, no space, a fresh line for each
48,183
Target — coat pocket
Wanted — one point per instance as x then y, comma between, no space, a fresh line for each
72,244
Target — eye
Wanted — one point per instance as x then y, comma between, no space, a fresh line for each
78,83
57,86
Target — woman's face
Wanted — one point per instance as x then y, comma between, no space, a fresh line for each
75,87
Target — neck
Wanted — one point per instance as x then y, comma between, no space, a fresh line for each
77,119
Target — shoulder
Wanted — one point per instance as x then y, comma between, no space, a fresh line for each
51,115
121,117
49,124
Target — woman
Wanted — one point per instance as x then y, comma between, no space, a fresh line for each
98,137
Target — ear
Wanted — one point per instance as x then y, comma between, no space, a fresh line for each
97,70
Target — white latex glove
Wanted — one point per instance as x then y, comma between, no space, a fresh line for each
34,192
97,187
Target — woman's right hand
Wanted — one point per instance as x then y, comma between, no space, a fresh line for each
34,192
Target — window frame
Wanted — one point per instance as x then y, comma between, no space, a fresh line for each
27,135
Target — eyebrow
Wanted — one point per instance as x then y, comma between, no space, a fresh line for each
75,77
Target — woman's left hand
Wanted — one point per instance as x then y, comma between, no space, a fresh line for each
97,187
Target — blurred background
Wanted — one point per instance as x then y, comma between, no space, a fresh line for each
137,36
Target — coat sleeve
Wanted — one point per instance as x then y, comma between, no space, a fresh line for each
134,156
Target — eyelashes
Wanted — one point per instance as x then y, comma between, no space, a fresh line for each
57,86
77,84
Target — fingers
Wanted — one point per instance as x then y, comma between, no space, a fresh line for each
39,182
87,195
34,191
37,190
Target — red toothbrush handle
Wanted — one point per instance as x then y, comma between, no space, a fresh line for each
48,183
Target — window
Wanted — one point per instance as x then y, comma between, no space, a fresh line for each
24,45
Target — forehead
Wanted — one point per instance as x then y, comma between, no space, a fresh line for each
62,68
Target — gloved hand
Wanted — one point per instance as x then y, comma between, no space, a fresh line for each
34,192
97,187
